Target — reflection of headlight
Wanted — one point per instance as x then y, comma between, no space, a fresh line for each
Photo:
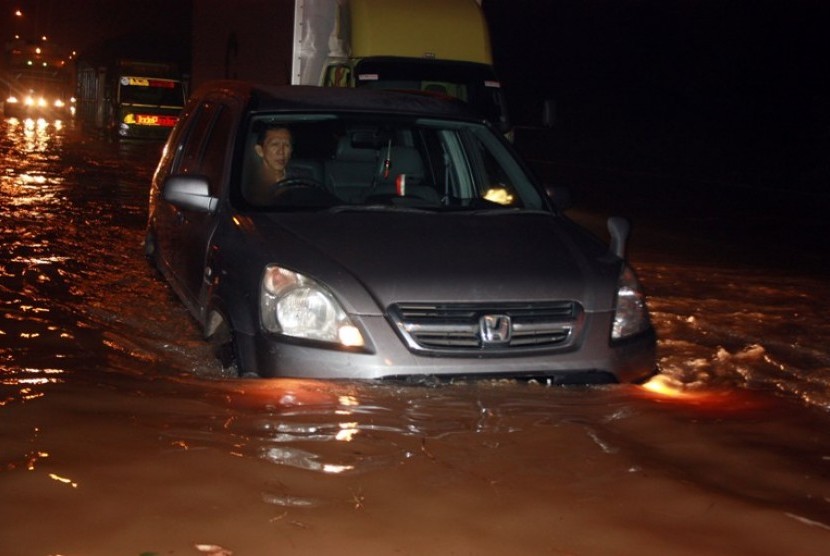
631,315
299,306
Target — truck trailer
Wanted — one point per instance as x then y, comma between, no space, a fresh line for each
437,47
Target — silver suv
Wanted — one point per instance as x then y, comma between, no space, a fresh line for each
363,234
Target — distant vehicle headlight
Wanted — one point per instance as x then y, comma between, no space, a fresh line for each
631,314
41,102
29,101
12,100
59,103
296,305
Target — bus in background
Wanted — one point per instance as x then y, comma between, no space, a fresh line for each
130,99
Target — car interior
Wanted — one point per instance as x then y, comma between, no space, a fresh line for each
365,165
339,161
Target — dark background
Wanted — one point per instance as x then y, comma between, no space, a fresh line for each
712,90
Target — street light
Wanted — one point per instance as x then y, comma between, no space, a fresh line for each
19,22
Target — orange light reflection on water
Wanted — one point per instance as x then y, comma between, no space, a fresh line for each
64,480
37,134
664,389
286,393
29,377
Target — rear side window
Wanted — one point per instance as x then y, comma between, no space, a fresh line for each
206,145
213,164
191,154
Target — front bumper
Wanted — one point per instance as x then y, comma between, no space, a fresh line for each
593,358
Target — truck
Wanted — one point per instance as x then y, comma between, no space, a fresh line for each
37,78
436,47
129,98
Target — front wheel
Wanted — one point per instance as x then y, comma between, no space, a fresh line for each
225,352
226,349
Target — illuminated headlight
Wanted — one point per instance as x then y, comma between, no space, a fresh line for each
299,306
29,101
41,102
631,315
59,103
12,100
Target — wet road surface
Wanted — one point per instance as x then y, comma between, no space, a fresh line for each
118,434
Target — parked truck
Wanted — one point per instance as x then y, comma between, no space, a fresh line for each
439,47
37,79
129,98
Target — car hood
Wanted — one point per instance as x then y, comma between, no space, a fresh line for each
445,257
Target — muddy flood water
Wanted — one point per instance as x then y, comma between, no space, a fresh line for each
119,436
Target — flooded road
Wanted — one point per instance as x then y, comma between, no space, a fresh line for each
119,436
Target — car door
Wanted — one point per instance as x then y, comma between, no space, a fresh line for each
206,153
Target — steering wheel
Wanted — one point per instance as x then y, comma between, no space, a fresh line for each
303,191
300,181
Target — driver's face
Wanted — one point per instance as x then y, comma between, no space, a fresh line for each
275,150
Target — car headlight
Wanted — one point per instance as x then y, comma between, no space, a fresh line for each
631,314
296,305
12,100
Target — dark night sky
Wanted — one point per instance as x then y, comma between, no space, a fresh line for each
728,89
736,87
78,24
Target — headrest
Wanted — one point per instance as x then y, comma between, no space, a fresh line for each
351,150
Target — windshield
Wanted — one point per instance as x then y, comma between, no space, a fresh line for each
475,84
370,161
150,91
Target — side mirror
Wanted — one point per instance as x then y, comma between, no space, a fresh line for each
560,196
619,229
189,192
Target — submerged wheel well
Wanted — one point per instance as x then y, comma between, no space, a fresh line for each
238,358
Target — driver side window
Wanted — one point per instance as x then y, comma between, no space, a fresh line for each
213,164
206,148
190,156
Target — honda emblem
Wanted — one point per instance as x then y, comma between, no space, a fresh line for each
495,329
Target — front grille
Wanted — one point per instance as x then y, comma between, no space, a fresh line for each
458,327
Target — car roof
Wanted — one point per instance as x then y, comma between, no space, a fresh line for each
301,98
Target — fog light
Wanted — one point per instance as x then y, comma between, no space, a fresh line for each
350,336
